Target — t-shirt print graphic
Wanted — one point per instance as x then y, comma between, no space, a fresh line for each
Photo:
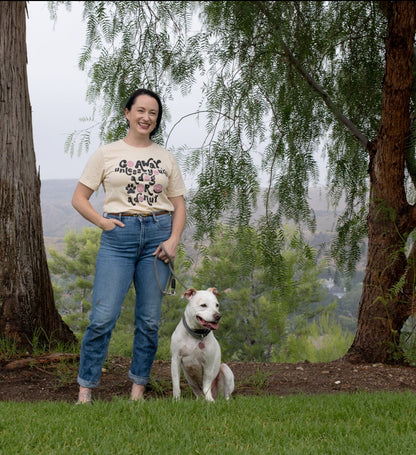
143,187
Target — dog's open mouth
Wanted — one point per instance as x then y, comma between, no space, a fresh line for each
207,324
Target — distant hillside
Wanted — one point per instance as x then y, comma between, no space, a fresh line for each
59,216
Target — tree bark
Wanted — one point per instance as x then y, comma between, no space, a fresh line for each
27,308
386,300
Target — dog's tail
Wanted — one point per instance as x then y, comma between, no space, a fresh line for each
224,382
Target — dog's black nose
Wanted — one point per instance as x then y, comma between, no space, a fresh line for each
217,317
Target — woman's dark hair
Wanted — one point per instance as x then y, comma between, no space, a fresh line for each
145,91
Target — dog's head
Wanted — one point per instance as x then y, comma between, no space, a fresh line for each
203,307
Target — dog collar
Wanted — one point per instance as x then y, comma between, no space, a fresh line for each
196,333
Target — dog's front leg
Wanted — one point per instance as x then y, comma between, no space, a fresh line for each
208,394
176,375
207,388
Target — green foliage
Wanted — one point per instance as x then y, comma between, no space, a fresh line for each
259,309
257,84
73,274
8,348
346,308
322,341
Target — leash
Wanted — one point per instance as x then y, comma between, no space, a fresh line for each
172,278
199,334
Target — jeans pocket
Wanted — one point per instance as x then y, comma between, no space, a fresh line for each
164,223
111,230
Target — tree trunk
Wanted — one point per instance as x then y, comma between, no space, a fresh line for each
27,308
386,300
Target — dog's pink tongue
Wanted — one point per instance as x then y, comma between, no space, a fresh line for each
207,324
212,325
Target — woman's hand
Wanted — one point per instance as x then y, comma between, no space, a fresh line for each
108,224
168,252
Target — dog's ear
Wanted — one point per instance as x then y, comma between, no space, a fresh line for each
214,291
189,293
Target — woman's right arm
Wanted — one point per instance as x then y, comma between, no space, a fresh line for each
81,203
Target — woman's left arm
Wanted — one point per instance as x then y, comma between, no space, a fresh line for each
178,225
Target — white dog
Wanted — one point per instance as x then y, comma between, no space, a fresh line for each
195,348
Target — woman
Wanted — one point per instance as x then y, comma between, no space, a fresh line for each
143,207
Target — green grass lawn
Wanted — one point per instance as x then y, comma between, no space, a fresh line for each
382,423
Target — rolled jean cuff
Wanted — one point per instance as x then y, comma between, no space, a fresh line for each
140,380
88,384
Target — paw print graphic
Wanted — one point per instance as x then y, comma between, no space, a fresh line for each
131,188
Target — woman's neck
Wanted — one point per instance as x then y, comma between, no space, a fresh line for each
137,141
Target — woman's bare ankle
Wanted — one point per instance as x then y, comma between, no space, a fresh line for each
84,395
137,392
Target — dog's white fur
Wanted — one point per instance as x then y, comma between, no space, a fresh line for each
199,359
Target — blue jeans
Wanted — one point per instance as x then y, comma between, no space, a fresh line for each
125,256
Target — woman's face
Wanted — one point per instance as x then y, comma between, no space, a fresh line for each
143,114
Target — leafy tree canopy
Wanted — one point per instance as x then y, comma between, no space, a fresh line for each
256,62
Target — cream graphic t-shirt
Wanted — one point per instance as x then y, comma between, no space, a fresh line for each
135,179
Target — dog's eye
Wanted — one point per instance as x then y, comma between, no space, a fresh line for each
204,305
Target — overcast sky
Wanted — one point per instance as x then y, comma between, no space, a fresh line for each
57,87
